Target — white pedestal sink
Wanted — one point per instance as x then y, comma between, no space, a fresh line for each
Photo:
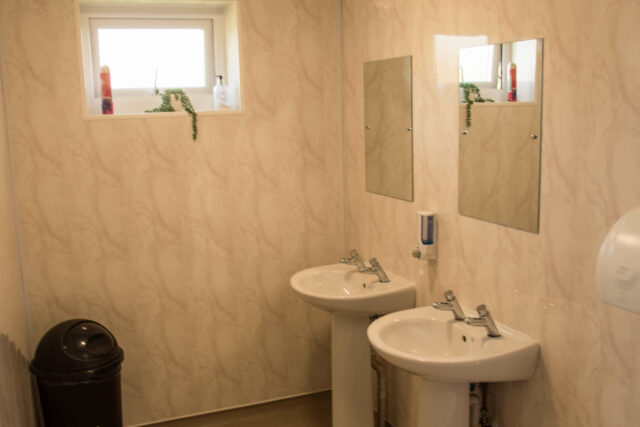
351,297
448,355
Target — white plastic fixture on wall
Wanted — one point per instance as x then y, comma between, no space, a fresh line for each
618,267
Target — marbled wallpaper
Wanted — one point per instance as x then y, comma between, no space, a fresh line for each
184,250
542,284
15,394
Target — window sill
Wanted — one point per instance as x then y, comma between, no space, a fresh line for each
499,104
168,114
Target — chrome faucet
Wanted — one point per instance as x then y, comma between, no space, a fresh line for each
354,260
376,268
485,320
450,304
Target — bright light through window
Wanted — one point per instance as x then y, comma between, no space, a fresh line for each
134,54
523,54
476,63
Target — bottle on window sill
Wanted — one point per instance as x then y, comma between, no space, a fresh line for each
105,89
512,84
221,95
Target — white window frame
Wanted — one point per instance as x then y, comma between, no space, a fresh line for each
95,16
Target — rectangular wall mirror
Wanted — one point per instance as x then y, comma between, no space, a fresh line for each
500,133
388,127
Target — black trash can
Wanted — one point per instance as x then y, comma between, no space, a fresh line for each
77,371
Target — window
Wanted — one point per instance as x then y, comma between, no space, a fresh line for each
154,53
149,48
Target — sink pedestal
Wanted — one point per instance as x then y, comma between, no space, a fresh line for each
351,297
351,397
443,404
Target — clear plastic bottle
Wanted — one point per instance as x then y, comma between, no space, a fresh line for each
221,95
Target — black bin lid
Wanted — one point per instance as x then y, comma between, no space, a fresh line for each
77,350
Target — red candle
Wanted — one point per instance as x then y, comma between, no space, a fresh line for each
105,88
512,85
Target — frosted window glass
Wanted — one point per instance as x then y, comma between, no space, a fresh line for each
476,64
134,54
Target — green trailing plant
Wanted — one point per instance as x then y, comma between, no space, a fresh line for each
165,106
472,95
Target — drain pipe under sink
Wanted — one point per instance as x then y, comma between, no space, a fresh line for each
474,407
378,365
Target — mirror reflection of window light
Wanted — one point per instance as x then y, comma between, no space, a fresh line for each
134,54
523,53
446,55
476,64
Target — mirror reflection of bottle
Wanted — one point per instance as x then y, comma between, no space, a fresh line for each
221,98
512,83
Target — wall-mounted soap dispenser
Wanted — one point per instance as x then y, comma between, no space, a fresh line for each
427,244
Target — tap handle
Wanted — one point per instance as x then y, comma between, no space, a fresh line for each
482,310
354,258
376,264
449,295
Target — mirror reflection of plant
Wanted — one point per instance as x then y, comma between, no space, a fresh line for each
165,106
471,95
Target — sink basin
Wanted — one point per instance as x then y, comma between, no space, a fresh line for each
448,355
430,343
341,288
351,297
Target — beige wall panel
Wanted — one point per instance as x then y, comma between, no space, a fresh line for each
15,394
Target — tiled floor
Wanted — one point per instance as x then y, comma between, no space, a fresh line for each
306,411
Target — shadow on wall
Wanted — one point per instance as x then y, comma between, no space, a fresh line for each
16,409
